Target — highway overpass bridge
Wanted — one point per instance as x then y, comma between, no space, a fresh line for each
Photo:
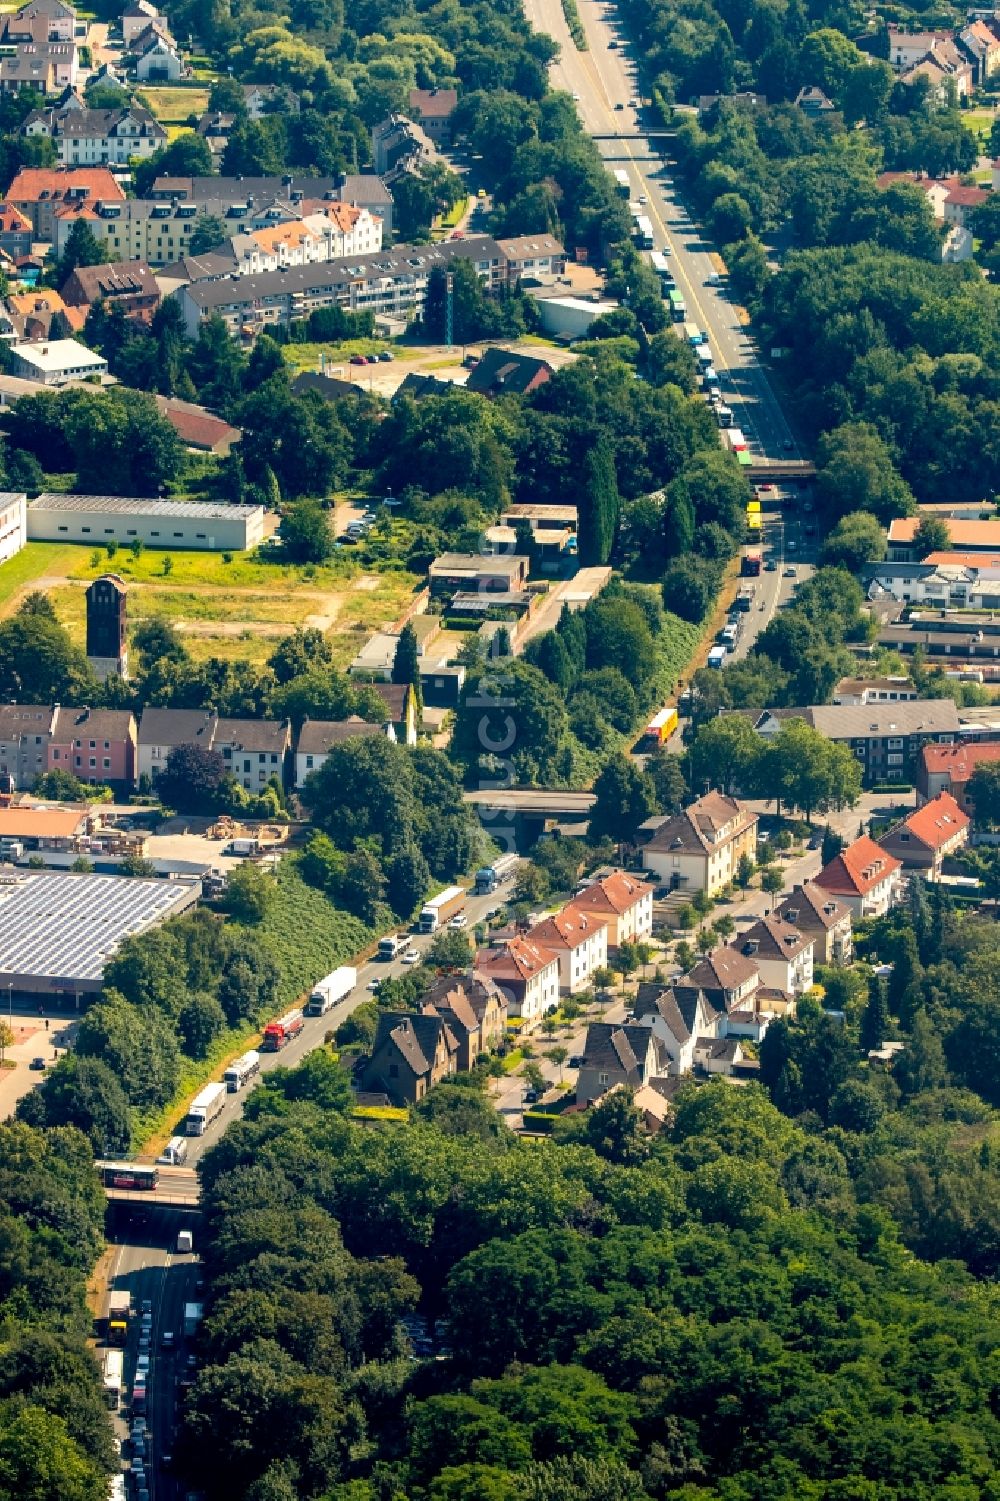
789,470
516,816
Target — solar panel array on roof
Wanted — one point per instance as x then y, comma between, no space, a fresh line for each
59,929
198,510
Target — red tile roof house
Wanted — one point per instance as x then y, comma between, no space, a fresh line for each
865,877
40,192
527,974
948,768
929,835
579,941
624,902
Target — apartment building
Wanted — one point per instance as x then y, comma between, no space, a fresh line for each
94,137
700,848
580,943
865,877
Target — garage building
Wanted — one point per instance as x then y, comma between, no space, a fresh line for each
58,929
206,526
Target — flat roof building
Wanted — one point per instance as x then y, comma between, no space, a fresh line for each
59,930
209,526
56,362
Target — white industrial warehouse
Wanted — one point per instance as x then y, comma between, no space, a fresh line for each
208,526
58,929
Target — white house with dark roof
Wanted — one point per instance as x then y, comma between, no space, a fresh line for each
783,955
318,737
254,750
678,1019
700,848
727,976
823,918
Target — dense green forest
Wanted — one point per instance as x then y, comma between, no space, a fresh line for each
55,1433
783,1298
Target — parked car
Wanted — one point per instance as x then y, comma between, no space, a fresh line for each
38,1064
531,1096
412,956
386,356
576,1061
359,359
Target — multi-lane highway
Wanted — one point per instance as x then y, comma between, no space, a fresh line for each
604,83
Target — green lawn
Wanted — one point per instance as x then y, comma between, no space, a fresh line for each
173,104
306,356
35,560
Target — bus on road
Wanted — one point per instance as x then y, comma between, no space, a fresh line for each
130,1175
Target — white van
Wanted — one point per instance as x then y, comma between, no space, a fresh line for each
185,1242
174,1152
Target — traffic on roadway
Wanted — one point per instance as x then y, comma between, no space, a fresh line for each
604,83
475,909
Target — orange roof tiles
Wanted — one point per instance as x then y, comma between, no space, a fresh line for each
616,893
858,868
567,929
32,184
42,823
937,822
960,761
974,534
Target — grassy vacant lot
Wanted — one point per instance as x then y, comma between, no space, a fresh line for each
235,610
306,356
173,104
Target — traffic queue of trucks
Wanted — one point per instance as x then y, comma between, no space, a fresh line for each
278,1034
204,1109
489,877
332,988
435,913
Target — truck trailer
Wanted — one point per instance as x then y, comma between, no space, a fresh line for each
435,913
489,877
119,1313
279,1033
204,1109
192,1318
332,988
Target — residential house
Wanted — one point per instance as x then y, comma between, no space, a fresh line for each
617,1054
410,1054
579,941
46,67
254,750
948,768
157,57
814,103
881,690
908,47
400,147
432,109
457,1014
163,730
886,738
270,99
25,737
728,979
478,572
962,202
94,745
485,999
15,232
441,685
678,1018
622,901
196,427
318,737
137,18
724,1056
400,701
981,43
783,955
527,974
40,316
91,137
503,372
40,192
865,877
129,285
533,256
964,534
700,849
824,919
928,836
215,127
40,20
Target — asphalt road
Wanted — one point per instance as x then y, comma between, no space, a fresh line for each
599,80
316,1027
146,1263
